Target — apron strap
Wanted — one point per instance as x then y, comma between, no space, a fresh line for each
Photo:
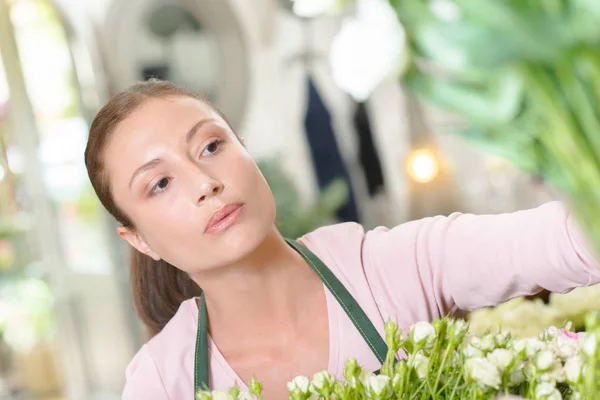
201,357
344,298
348,303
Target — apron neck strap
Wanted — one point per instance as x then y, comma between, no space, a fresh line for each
337,289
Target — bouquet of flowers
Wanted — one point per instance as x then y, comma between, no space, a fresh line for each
443,360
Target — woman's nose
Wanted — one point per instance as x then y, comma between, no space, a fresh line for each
210,187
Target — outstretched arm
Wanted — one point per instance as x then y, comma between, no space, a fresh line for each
427,268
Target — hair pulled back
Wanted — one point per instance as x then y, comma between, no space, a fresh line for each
157,287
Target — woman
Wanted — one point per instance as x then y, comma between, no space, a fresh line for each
199,214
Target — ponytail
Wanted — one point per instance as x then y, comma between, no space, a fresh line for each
158,289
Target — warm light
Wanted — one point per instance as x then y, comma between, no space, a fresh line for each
422,166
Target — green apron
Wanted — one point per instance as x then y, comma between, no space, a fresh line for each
344,298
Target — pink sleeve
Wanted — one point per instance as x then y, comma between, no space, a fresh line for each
427,268
143,379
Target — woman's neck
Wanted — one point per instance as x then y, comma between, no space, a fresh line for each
271,290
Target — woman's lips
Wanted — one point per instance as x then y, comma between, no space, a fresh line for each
224,217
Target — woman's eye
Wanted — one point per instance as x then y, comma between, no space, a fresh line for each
211,148
160,186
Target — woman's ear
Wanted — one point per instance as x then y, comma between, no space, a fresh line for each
136,241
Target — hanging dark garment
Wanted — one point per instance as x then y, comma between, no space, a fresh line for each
326,157
367,153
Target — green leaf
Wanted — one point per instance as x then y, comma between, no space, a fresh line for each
333,197
497,102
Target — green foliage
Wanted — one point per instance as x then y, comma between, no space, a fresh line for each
525,76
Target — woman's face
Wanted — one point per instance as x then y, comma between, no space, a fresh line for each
194,194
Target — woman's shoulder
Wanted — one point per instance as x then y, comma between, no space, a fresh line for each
169,350
340,247
183,322
334,237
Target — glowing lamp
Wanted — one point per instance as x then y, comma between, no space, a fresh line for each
422,165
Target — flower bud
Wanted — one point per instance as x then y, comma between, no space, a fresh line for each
255,387
351,369
245,396
234,391
457,330
549,334
302,383
401,368
203,395
221,395
297,394
323,383
487,343
472,346
423,334
502,338
392,335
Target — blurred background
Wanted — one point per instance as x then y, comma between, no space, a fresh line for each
67,328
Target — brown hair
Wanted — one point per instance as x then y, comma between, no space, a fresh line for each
157,287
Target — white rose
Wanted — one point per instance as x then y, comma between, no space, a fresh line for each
547,391
302,383
420,363
544,360
573,369
482,371
368,48
471,347
322,380
567,347
501,358
533,346
221,395
245,396
378,386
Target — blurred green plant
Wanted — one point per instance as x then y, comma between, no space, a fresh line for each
294,217
525,76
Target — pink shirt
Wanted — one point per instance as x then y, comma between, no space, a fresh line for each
417,271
